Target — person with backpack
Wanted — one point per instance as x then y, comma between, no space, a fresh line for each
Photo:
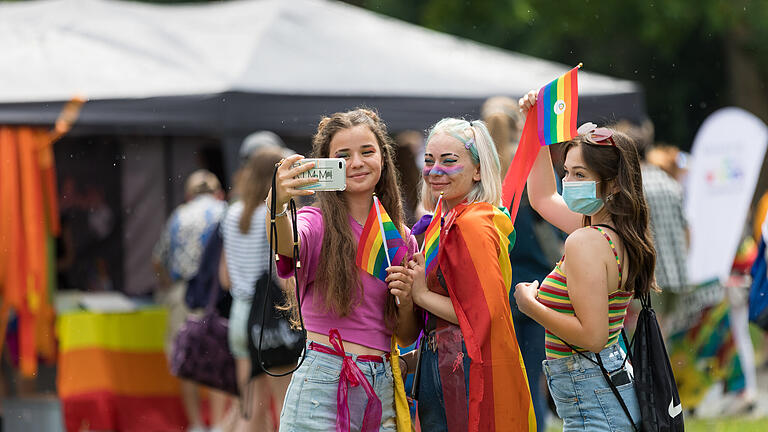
246,258
609,257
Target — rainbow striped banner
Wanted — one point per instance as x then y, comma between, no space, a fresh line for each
432,236
380,243
556,109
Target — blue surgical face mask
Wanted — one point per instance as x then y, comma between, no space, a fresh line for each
581,197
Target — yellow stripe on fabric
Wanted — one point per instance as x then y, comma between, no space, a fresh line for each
503,228
561,117
142,330
402,412
375,248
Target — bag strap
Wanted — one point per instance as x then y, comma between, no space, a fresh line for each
214,291
607,376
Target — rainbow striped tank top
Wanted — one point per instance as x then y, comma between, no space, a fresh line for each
553,293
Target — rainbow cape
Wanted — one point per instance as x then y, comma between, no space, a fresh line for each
380,243
551,120
474,261
432,237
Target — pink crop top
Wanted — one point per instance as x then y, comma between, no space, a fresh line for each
364,324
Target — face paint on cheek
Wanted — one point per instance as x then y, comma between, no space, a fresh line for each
441,170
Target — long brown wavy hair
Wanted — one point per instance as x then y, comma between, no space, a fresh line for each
254,181
620,165
337,275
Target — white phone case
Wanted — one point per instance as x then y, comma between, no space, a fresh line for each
330,172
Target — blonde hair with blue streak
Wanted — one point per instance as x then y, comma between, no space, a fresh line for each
476,139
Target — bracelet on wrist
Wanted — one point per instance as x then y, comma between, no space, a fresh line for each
282,213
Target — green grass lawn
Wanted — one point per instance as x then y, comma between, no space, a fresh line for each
717,425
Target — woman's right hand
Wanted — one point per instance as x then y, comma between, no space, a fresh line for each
526,102
287,184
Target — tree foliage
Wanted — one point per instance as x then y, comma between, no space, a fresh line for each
680,51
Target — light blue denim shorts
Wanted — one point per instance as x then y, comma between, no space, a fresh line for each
310,402
584,399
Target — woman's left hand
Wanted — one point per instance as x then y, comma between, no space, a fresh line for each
525,295
417,269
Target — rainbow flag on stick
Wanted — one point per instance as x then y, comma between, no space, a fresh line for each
556,109
432,236
380,243
551,120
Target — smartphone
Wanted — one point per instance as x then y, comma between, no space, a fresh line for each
620,378
331,174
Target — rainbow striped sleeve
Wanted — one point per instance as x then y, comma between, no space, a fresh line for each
556,109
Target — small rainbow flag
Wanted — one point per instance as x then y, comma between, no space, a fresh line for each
556,109
380,243
432,236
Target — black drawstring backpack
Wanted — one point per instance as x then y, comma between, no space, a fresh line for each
655,385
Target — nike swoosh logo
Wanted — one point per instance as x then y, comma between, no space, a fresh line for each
673,410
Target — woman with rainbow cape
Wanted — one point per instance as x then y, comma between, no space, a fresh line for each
471,376
350,379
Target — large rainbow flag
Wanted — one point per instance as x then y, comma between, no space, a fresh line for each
113,374
474,261
551,120
380,243
432,236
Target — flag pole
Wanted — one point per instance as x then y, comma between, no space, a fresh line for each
383,237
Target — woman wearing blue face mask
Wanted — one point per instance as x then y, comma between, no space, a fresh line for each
609,257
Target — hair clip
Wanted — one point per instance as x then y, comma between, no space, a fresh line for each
470,142
599,136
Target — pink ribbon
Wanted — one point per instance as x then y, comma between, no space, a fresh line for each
351,375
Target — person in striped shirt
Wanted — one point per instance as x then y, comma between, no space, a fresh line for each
609,257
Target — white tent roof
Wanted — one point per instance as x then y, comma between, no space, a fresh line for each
114,50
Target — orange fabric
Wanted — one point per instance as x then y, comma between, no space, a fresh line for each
12,253
121,372
28,215
760,213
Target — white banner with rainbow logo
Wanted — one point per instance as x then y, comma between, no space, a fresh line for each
726,159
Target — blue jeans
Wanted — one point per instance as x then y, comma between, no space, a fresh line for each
431,402
584,399
310,402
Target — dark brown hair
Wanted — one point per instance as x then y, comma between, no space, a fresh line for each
254,181
619,165
337,274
